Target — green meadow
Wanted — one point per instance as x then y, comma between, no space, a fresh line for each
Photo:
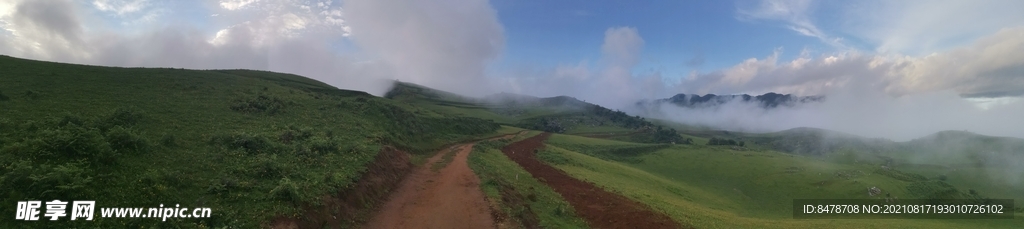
521,199
721,187
250,145
256,146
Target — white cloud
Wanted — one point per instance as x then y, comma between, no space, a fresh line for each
922,27
430,43
450,44
445,44
975,87
864,114
236,4
991,67
610,83
269,20
796,15
6,10
120,7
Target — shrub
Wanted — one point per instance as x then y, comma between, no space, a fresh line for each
3,97
124,140
259,104
30,94
896,174
222,186
6,126
252,144
728,142
69,119
124,117
169,140
322,145
267,166
286,190
74,141
64,181
294,134
934,190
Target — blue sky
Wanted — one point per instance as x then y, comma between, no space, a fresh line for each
921,65
666,47
679,36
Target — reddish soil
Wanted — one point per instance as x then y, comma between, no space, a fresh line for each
448,198
347,207
600,208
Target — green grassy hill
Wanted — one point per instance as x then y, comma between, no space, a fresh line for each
251,145
560,114
725,187
520,200
256,146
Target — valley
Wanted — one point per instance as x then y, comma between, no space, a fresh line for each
274,150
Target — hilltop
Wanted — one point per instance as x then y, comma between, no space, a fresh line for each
262,148
251,145
559,114
768,100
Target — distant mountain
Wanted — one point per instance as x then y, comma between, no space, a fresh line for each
947,148
769,100
815,141
559,114
516,100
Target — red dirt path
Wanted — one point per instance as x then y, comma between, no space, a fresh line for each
448,198
600,208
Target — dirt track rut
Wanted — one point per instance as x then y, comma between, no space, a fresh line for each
600,208
447,198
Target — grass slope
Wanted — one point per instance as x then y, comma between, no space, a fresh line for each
523,200
718,187
560,114
251,145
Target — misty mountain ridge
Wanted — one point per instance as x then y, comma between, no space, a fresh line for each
406,90
518,100
943,146
767,100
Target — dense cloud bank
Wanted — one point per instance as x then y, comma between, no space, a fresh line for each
450,45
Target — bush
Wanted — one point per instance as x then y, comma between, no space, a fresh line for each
124,140
286,190
896,174
267,166
3,97
69,119
934,190
222,186
69,138
73,141
123,117
322,145
252,144
294,134
259,104
169,140
63,181
727,142
30,94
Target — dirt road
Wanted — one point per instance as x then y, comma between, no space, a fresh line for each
600,208
447,198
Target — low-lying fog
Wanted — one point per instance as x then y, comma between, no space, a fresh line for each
363,44
869,115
